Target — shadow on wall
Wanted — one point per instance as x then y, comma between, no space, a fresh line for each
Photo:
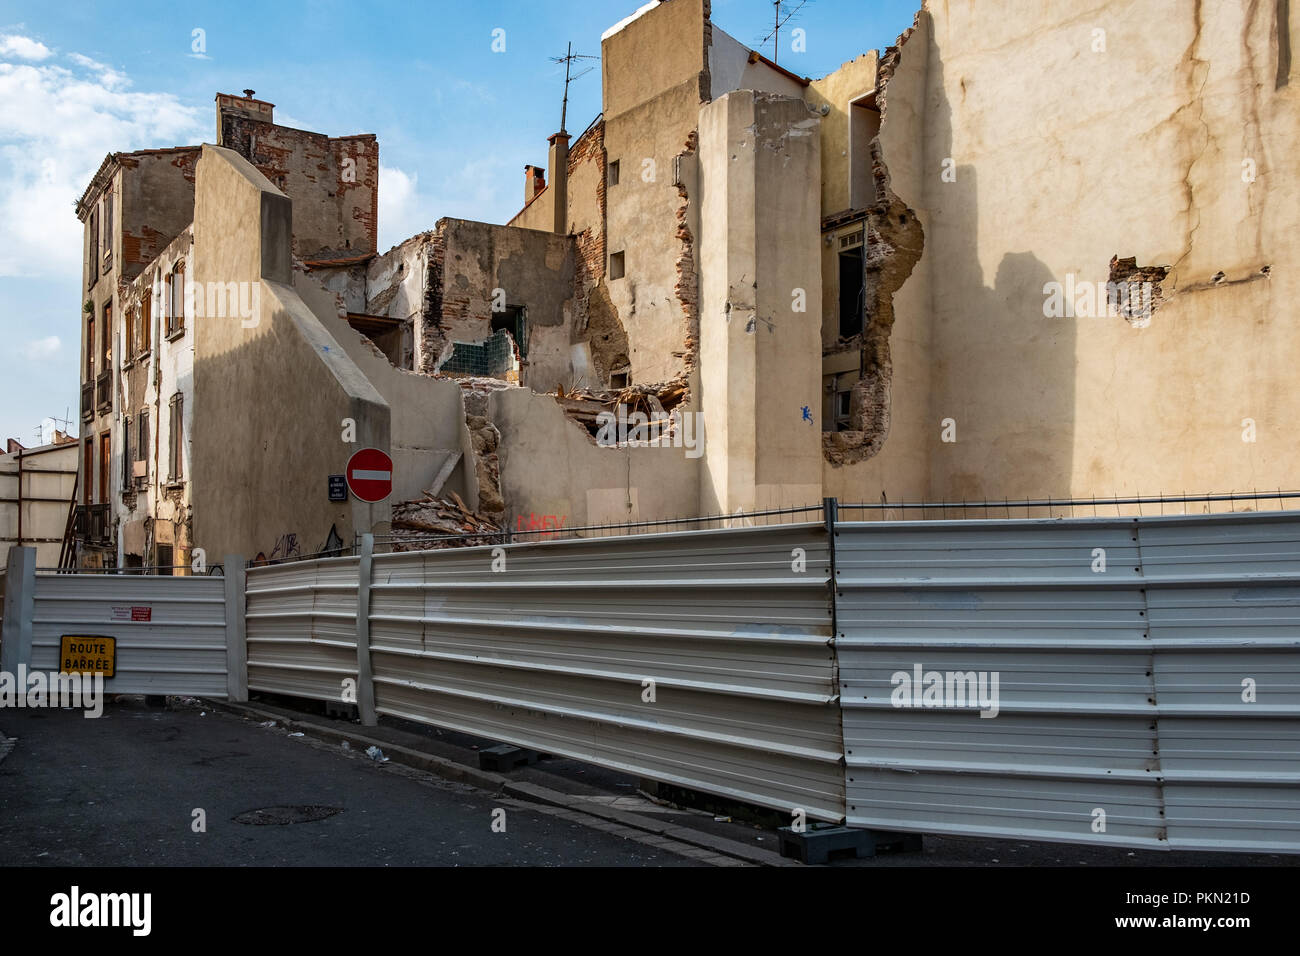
1003,400
272,434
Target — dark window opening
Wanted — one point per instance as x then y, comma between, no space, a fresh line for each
128,460
613,173
852,293
164,559
616,265
843,406
513,320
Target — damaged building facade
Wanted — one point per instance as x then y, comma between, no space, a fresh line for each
843,286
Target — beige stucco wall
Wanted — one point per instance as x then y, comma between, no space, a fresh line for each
550,466
427,417
1136,150
274,395
653,81
533,269
836,91
760,361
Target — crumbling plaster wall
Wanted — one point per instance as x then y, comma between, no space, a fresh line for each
532,269
655,76
550,467
160,512
1171,146
155,196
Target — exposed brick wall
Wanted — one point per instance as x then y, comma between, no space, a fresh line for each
687,288
432,339
332,216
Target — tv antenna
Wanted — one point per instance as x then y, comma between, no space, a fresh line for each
779,22
568,60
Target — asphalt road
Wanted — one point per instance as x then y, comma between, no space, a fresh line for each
122,790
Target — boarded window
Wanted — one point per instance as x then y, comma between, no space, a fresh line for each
146,322
88,471
175,438
92,273
142,441
176,299
108,226
105,460
106,337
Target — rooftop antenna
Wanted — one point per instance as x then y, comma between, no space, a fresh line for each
780,21
567,60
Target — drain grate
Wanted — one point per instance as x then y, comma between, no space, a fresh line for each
279,816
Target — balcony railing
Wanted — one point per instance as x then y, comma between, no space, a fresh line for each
88,401
103,390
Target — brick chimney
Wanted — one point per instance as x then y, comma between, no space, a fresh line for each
534,182
245,107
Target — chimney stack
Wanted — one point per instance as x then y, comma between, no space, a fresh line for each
534,182
558,160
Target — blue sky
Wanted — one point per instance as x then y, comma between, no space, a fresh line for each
456,122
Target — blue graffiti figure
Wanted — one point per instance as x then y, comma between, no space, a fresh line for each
807,415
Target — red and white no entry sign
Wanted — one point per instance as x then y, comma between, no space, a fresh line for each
370,474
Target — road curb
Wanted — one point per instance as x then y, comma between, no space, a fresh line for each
520,789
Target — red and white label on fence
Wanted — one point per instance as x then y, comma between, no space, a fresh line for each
370,474
136,613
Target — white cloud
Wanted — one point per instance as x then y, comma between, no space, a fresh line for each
58,124
39,349
107,75
473,191
24,48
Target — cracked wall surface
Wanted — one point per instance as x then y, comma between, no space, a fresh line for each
1160,151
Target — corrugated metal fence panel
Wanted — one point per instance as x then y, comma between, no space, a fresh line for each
551,652
301,627
180,649
1224,604
1074,729
1118,690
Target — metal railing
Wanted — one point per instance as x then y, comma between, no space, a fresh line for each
521,534
1114,506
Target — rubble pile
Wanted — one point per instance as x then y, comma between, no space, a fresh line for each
656,402
416,522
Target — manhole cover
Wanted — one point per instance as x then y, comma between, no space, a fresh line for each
279,816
